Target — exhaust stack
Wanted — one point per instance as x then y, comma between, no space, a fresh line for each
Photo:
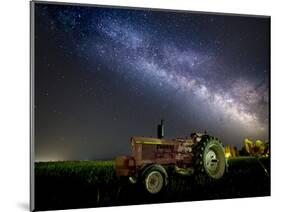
160,129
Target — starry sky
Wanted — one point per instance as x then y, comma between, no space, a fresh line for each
103,75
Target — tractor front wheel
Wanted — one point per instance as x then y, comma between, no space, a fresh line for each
154,179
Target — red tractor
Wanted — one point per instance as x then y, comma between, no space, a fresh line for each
201,155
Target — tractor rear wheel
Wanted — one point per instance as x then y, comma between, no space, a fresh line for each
209,159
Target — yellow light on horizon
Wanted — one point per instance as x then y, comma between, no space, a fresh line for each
227,154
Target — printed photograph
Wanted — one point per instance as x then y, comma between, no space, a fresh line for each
143,106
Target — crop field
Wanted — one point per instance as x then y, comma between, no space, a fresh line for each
83,184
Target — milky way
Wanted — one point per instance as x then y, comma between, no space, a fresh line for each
201,71
240,102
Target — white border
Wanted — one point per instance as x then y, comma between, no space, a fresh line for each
14,111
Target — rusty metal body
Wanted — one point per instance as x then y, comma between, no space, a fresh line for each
147,151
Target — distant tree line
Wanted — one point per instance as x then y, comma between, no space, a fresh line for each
249,148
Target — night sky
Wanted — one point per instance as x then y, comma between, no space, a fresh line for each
104,75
